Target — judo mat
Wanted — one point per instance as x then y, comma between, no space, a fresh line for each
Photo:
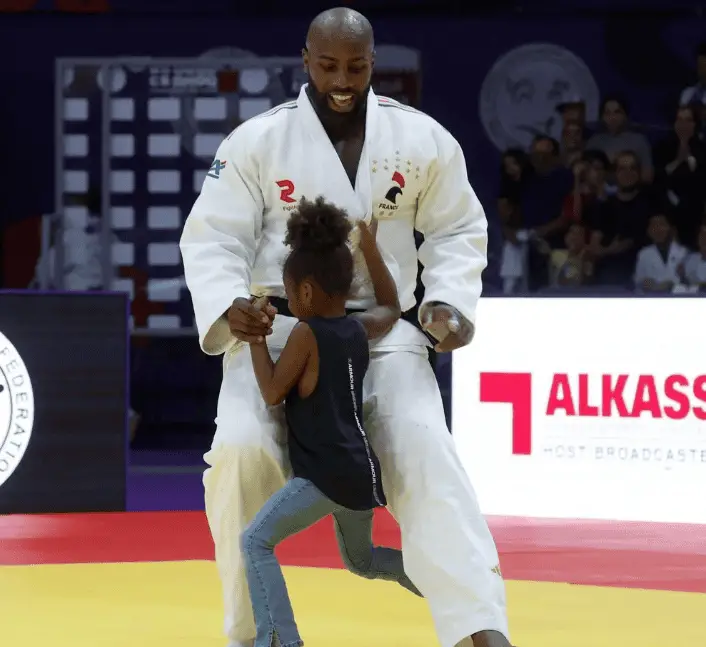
147,579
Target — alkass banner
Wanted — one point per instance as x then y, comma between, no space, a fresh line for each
585,408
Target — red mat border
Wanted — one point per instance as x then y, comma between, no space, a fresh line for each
629,555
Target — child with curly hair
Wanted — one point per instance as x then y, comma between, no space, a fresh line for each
319,377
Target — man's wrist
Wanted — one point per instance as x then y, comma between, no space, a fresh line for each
426,306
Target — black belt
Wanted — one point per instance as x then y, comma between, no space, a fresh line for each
409,316
283,307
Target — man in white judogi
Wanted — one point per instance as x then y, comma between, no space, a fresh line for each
377,159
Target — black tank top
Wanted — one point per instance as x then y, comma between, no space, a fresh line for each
327,442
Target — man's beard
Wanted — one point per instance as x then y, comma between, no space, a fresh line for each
332,119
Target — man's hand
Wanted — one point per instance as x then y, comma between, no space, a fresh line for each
251,321
447,325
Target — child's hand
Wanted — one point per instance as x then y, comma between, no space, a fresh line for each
263,305
368,233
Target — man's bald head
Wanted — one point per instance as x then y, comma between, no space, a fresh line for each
340,23
339,58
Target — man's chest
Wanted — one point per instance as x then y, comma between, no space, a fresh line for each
349,153
382,179
632,224
625,219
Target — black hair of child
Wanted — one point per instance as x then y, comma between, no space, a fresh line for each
317,233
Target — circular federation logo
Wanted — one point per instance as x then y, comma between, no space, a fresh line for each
521,92
16,409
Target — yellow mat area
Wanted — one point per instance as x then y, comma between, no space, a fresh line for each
178,604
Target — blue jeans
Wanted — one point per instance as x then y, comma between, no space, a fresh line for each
298,505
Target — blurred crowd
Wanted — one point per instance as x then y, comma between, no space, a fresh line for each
609,205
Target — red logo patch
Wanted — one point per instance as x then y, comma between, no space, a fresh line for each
399,178
287,188
394,191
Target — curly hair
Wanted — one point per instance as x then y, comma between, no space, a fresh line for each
317,233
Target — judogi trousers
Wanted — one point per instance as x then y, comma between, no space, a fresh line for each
448,550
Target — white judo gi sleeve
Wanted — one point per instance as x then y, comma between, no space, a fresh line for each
455,248
218,243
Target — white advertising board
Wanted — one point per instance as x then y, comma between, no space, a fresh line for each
585,408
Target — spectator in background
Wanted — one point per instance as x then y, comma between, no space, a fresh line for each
544,191
680,173
573,111
617,137
695,95
572,143
571,266
514,172
619,225
657,267
694,270
590,186
82,248
541,204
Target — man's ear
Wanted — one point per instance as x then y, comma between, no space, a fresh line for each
305,58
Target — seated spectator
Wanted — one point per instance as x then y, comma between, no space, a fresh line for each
619,225
695,95
599,168
657,267
544,191
617,137
514,172
572,143
573,111
572,266
541,203
680,173
83,252
694,268
590,185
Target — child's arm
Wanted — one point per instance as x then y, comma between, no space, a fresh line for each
276,380
379,319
